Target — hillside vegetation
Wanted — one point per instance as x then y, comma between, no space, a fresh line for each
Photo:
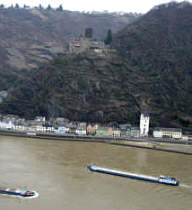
31,37
159,46
83,87
150,70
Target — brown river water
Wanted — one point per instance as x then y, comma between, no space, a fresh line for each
57,171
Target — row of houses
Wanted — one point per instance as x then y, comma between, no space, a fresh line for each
62,126
175,133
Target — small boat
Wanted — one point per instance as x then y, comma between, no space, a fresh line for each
161,179
16,192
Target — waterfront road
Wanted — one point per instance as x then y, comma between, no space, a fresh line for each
169,145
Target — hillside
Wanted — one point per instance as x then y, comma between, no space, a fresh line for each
150,70
159,45
83,87
31,37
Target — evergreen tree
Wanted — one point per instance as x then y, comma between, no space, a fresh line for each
108,39
1,6
17,6
60,8
40,7
49,7
26,7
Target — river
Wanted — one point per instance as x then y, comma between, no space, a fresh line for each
57,170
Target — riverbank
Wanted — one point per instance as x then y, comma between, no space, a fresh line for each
167,146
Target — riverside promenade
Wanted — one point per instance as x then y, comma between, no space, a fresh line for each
166,145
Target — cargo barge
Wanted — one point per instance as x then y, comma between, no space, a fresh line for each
17,192
161,179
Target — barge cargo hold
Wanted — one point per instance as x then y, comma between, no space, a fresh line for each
17,192
161,179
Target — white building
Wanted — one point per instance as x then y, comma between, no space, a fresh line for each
81,132
7,125
61,130
175,133
144,124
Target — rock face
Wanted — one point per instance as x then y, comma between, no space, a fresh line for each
150,70
30,37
